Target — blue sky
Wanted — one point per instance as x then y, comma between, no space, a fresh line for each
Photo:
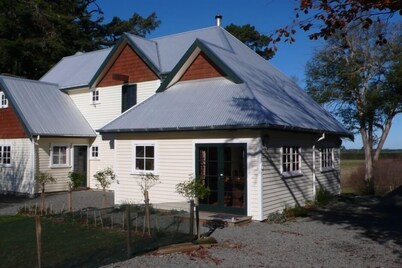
266,15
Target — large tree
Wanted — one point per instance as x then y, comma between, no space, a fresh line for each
359,79
35,34
252,38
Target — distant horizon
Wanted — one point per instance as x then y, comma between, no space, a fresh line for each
266,15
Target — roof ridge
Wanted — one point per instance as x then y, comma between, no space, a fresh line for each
78,53
182,33
28,80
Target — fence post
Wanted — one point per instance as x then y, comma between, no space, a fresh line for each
38,229
128,221
192,219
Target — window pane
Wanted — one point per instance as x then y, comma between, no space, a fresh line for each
149,151
139,151
139,164
149,164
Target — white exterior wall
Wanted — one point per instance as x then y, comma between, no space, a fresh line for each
279,192
98,115
109,106
43,148
18,177
328,179
105,159
176,160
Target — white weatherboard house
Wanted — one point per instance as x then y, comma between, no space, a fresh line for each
198,102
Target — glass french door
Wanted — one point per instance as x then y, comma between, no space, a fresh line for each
80,162
222,168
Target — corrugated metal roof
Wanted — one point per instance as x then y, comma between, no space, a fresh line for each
76,70
44,109
267,98
148,48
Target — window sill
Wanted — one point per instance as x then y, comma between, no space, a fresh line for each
94,103
325,170
60,167
94,159
6,166
143,172
292,174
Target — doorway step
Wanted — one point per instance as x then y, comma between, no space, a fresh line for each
229,220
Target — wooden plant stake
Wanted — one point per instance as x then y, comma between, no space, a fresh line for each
128,240
147,215
38,229
192,219
70,198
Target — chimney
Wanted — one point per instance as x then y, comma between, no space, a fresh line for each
218,19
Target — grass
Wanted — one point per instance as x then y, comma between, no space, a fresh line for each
64,245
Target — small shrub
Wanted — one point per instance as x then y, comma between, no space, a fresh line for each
276,217
76,179
322,197
297,211
191,189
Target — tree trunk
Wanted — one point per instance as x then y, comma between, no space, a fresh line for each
384,136
147,216
367,156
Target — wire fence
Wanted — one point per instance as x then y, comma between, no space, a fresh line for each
100,236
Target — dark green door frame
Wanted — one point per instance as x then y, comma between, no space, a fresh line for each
224,170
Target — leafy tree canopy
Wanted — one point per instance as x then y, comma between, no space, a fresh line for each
35,34
361,81
324,17
252,38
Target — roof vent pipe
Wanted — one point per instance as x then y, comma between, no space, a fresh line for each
218,19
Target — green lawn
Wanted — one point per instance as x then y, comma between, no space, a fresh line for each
64,245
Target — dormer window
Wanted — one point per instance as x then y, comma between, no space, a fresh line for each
95,96
3,100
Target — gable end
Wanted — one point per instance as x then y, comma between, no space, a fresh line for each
128,64
11,126
202,67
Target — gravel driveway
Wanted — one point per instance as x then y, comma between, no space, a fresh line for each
352,233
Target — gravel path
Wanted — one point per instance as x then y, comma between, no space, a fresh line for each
9,205
349,234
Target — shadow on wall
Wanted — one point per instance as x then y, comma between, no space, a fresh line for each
17,177
295,186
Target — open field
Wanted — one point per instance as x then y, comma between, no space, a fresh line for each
387,170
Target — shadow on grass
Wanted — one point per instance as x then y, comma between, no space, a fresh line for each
69,245
375,220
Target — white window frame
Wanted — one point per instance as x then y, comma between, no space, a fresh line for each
95,96
67,164
293,171
134,169
324,158
2,164
3,100
93,147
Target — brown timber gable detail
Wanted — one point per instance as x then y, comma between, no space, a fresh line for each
202,67
10,125
128,63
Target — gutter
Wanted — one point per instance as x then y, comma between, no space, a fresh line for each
314,165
